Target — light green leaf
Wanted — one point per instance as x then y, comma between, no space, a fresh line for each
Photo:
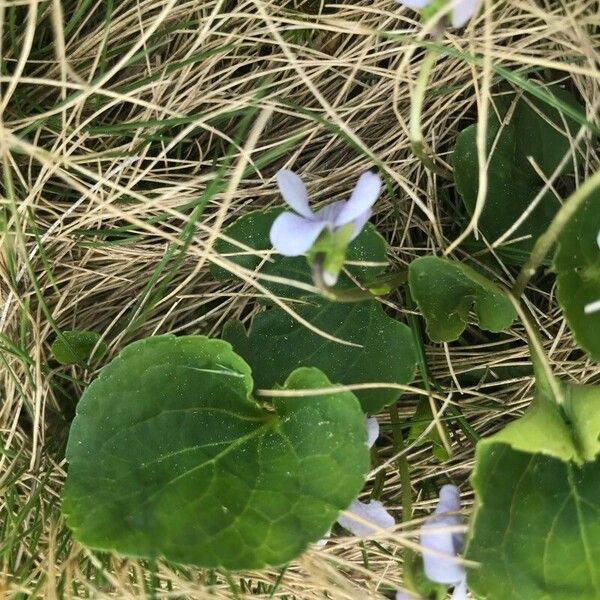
577,264
532,130
276,344
252,231
169,455
570,432
536,528
76,347
446,291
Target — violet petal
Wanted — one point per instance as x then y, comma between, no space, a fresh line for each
294,192
414,4
366,191
292,235
372,431
373,512
460,591
435,537
462,11
360,222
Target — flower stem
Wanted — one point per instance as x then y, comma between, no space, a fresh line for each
401,463
406,487
549,237
379,287
416,108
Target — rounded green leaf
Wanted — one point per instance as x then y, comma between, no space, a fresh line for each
252,232
577,265
76,347
276,344
169,455
529,129
536,528
447,291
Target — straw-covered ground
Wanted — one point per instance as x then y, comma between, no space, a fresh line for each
119,127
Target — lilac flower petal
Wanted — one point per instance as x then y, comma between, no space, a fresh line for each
414,4
373,512
437,568
366,191
402,595
449,501
330,213
294,192
292,235
372,431
462,11
436,537
460,591
360,222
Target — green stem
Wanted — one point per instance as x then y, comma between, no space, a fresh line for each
544,377
417,143
549,237
380,287
402,464
406,487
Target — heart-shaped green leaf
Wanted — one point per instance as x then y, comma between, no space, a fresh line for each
446,291
577,264
366,256
536,529
170,455
528,130
76,347
276,344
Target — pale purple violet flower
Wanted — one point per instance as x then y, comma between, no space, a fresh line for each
593,307
367,512
436,538
294,233
462,10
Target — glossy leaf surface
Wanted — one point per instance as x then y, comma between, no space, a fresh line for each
447,291
383,350
577,264
169,455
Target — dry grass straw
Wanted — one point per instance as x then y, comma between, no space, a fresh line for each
113,120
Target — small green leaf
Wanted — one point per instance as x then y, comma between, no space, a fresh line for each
169,455
252,231
536,531
533,130
446,291
76,347
276,344
577,264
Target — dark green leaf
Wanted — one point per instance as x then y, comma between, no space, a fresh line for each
446,291
276,344
252,232
534,129
536,529
170,455
76,347
577,264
